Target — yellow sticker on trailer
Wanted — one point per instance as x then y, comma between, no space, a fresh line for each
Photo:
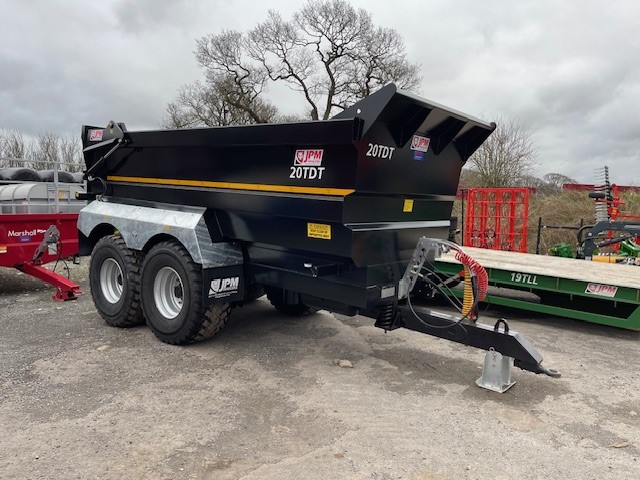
3,249
319,230
408,205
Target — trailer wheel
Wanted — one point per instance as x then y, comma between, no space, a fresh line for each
276,297
114,277
215,320
172,297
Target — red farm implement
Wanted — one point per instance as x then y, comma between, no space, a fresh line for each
27,241
496,218
38,225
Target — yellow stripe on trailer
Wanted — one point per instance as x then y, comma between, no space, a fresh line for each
258,187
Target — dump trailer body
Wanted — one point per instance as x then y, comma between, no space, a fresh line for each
335,214
391,176
351,193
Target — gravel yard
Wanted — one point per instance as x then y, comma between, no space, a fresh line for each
323,397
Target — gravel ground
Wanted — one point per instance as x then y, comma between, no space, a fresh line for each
269,399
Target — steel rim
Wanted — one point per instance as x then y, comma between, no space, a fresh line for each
168,292
111,280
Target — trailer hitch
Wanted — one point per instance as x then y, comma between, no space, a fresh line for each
460,330
65,288
500,341
50,240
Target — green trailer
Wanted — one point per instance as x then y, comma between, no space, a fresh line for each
608,294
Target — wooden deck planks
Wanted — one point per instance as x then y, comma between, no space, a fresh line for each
581,270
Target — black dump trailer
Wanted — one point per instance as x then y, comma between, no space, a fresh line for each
338,215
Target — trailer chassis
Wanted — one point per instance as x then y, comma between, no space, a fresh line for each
144,227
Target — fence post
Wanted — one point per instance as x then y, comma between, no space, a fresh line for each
538,236
56,165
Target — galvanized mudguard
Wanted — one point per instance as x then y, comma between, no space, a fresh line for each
139,224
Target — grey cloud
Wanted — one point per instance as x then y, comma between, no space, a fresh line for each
135,16
566,69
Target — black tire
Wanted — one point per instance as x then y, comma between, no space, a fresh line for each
276,297
49,175
19,174
215,320
114,277
172,297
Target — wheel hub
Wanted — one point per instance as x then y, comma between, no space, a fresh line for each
111,280
168,292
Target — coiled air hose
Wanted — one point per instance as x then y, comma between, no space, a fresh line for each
476,280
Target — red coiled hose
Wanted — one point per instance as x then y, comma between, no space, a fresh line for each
479,271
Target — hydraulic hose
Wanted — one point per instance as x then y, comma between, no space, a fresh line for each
472,265
468,300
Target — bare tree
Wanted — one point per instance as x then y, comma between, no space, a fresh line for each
381,64
42,152
557,180
549,184
210,105
45,151
232,77
329,52
231,94
506,158
12,148
71,159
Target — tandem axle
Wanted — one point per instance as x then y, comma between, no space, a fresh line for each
167,258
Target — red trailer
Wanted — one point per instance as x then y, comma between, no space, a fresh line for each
27,241
38,225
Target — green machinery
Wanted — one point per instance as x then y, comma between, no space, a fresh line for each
608,294
605,290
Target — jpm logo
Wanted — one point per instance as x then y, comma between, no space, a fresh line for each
95,135
306,165
310,158
419,143
223,287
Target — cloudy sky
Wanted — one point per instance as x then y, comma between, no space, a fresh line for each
569,70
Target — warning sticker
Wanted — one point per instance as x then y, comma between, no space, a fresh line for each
3,249
408,205
602,290
319,230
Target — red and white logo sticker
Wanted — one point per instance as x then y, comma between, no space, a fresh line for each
309,158
602,290
95,135
420,143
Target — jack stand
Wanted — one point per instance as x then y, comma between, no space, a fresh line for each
496,373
